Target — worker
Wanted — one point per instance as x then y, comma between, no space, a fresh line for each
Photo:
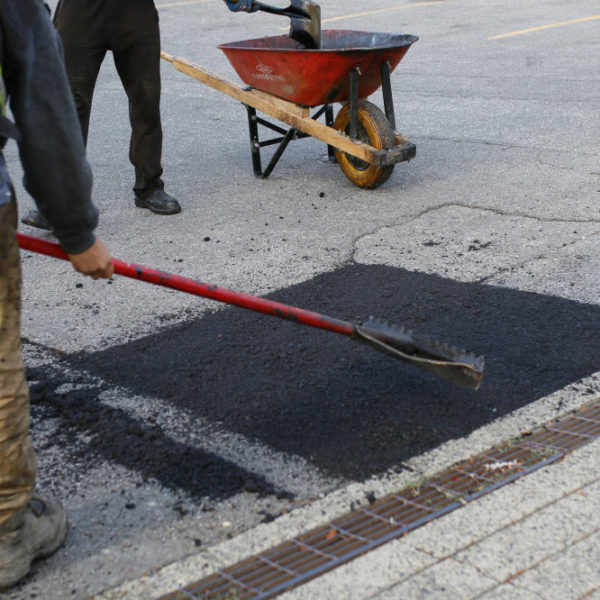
130,29
58,177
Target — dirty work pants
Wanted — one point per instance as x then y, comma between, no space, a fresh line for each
17,459
128,28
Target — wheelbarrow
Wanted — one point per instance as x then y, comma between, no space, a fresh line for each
286,80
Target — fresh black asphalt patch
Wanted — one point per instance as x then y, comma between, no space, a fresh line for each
345,408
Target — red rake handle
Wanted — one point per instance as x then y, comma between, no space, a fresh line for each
183,284
465,370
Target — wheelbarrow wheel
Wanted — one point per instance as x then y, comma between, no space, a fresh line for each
373,129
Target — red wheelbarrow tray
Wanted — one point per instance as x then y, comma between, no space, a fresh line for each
280,66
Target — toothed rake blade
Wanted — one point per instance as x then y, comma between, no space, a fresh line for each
449,362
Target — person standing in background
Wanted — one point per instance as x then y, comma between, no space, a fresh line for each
130,29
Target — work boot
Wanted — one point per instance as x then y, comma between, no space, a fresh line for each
41,532
36,219
159,202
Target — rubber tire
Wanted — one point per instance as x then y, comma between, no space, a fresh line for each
374,129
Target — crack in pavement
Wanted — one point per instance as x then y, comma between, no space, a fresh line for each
445,205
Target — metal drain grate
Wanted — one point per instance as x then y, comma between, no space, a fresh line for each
300,559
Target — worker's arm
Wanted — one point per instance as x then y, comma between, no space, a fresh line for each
51,146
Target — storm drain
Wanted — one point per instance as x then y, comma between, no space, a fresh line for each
300,559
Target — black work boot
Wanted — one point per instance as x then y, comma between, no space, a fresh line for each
159,202
36,219
39,533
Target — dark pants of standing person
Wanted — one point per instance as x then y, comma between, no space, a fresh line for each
128,28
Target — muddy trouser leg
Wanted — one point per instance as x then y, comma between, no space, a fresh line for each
17,459
137,60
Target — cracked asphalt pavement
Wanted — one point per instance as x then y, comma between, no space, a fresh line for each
167,423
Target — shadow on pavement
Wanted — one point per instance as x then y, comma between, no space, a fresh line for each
346,408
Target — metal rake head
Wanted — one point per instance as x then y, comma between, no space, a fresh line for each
456,365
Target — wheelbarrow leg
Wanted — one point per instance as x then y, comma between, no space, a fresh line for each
386,88
287,138
256,144
329,123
